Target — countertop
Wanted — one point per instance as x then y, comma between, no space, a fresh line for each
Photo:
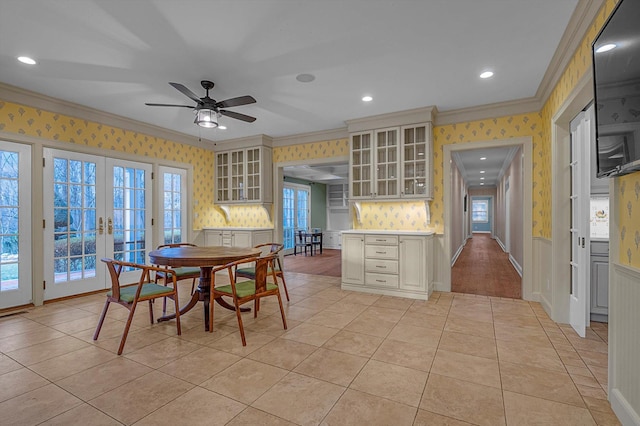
237,229
383,232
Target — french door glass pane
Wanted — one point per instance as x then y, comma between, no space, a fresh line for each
288,218
74,186
9,211
172,205
128,214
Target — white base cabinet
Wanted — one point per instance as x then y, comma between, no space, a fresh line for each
237,237
394,263
332,240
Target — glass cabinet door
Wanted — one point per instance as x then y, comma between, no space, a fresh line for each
222,176
361,163
237,176
415,162
387,163
253,174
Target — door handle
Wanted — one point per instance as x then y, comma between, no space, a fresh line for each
100,226
109,226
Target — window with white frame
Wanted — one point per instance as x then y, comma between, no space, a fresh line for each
480,211
174,205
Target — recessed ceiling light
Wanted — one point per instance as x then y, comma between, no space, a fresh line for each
26,60
481,178
481,183
486,74
305,78
481,171
367,98
222,127
483,158
606,48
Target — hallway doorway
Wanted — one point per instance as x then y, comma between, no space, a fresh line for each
483,268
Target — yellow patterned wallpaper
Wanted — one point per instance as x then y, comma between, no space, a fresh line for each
405,215
492,129
629,219
25,120
309,151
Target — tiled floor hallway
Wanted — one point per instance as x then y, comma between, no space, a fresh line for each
347,359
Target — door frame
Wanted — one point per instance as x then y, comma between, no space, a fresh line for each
526,144
278,184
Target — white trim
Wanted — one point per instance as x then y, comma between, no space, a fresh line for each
516,265
303,138
527,207
457,254
623,410
501,244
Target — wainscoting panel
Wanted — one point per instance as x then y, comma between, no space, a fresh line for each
441,265
624,343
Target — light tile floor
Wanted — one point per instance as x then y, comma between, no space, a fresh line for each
347,359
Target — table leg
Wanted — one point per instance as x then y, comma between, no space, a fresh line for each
202,295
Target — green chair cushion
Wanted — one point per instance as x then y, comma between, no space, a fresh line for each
128,293
244,288
183,272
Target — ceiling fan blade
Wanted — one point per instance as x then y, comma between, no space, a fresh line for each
188,93
242,100
238,116
169,105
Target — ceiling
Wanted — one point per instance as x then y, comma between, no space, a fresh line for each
114,56
484,167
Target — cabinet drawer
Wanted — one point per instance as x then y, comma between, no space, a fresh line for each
381,266
381,252
381,240
381,280
600,248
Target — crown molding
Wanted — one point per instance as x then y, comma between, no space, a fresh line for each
483,112
581,19
245,142
399,118
36,100
302,138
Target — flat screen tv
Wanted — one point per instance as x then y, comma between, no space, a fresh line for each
616,76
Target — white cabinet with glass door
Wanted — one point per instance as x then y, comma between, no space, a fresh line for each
416,161
375,164
244,175
100,207
15,225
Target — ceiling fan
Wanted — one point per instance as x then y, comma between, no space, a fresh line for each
208,110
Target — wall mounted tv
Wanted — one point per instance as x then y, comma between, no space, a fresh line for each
616,76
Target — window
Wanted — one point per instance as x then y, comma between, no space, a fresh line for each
296,200
480,211
174,205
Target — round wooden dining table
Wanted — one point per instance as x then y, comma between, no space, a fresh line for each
205,258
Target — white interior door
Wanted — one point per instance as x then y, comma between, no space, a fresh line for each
15,225
94,207
580,190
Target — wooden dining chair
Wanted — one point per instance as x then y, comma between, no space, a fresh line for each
128,295
249,272
246,291
182,273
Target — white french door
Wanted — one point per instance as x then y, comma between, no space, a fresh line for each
95,207
173,193
579,300
15,225
296,207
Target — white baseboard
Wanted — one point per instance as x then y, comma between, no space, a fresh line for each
502,246
455,256
440,287
626,414
516,265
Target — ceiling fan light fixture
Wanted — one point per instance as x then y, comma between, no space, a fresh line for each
206,118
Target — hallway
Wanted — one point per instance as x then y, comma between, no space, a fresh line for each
484,269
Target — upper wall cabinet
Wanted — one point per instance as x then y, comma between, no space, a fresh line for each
391,163
244,176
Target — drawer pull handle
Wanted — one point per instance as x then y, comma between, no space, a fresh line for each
381,267
380,240
381,252
381,281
